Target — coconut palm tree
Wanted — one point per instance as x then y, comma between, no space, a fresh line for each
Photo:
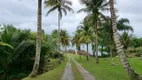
38,40
75,41
123,24
95,7
61,6
86,33
125,39
131,72
64,39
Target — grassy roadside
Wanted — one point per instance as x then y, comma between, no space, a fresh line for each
77,75
55,74
103,70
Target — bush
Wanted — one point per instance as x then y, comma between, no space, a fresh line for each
56,55
134,52
22,75
16,76
104,55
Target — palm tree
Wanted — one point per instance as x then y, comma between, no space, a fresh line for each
107,33
75,41
61,6
4,44
95,7
18,44
64,39
86,33
131,72
123,24
38,40
125,39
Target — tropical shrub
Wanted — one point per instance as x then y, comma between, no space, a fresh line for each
16,59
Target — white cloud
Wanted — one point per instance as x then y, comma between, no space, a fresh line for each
131,9
23,14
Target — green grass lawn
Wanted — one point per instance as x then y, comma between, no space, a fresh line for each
104,70
55,74
101,71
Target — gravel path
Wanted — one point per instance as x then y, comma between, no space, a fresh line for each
68,74
85,74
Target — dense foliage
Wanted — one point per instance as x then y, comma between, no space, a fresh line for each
16,59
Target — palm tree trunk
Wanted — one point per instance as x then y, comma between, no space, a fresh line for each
111,54
87,57
131,72
66,51
78,49
96,42
93,49
38,41
59,34
102,50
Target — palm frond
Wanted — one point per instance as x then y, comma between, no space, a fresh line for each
105,9
52,9
67,2
130,28
89,19
68,8
79,27
103,16
64,10
123,20
49,3
5,44
21,47
87,10
105,5
84,2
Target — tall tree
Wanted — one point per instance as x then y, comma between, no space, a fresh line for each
123,24
76,42
64,39
125,39
86,35
95,7
131,72
61,6
107,33
38,40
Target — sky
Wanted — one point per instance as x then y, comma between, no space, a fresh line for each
23,14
